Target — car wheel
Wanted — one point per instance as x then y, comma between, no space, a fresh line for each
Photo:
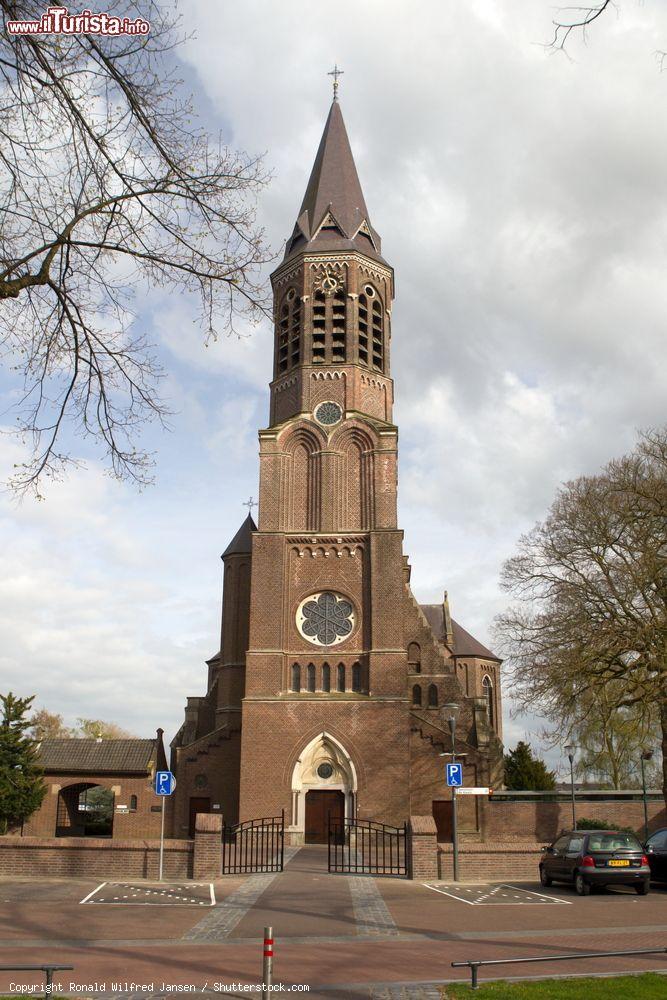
642,888
544,878
582,887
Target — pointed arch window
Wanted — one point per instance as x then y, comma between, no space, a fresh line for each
378,347
417,695
356,678
310,677
326,677
295,679
487,687
414,658
363,329
338,303
289,331
432,696
340,677
319,327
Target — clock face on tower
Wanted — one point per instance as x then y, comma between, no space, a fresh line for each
328,413
325,619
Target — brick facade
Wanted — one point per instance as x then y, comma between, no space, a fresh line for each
89,857
355,707
543,821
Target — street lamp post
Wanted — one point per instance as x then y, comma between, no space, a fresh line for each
646,755
449,714
570,748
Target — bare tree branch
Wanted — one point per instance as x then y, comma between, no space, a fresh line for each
107,186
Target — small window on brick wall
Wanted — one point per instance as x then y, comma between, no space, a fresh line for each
326,677
356,677
296,677
432,696
133,803
310,677
417,696
340,686
414,658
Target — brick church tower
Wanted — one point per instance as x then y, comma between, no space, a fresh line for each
325,695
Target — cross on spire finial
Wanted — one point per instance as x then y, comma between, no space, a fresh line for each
249,503
335,73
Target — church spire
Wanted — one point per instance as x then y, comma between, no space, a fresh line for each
333,215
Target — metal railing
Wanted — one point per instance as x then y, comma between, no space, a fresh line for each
257,845
364,847
475,966
48,969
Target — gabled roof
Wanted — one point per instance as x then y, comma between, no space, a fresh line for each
241,543
334,197
127,756
464,643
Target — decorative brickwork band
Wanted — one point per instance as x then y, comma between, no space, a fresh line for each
207,862
424,847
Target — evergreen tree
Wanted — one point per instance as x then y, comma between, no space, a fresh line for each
525,772
21,785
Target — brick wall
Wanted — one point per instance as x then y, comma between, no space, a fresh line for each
498,863
81,858
423,848
207,860
543,821
140,823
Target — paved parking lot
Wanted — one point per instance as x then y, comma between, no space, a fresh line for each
153,894
491,894
336,933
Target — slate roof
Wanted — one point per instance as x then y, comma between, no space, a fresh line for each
99,756
464,643
334,188
242,540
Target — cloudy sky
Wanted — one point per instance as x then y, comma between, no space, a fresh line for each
522,198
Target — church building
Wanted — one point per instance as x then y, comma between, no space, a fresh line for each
326,694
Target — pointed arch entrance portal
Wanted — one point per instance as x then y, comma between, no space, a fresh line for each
324,783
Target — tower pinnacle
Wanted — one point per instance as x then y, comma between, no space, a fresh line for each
335,73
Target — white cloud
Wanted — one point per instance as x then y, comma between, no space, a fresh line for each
520,197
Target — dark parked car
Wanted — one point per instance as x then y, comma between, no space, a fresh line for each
656,852
596,857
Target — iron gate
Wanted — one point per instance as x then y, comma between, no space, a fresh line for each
364,847
257,845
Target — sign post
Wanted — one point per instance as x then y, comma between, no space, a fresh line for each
455,780
165,783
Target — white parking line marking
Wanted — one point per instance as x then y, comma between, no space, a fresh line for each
459,899
100,886
493,896
140,895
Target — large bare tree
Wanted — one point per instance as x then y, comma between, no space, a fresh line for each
590,596
107,186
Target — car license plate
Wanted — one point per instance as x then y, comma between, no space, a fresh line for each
619,864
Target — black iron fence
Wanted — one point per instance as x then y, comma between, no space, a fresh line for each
257,845
364,847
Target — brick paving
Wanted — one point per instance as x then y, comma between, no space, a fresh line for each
345,936
371,913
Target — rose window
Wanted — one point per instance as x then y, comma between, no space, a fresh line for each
325,619
328,413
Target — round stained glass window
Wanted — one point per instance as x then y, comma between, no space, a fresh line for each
325,619
328,413
325,770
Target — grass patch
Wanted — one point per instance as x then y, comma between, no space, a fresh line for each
648,986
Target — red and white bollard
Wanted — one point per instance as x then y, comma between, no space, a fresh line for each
267,965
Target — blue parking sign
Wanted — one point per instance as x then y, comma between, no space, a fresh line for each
455,775
165,783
